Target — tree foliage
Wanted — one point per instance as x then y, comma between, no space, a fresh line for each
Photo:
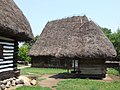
107,32
24,49
23,52
115,39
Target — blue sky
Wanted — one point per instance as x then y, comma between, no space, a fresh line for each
105,13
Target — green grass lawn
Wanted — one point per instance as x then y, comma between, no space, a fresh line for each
72,84
40,71
36,71
32,88
85,84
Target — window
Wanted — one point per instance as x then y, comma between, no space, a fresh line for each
1,51
75,62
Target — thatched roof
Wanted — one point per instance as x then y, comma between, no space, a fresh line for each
73,37
13,23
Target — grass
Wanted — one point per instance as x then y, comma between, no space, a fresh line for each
86,84
32,88
40,71
71,84
37,71
113,71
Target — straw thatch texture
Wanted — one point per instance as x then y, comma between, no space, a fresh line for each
12,22
74,37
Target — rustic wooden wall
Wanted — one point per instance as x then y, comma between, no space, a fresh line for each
8,58
92,67
47,62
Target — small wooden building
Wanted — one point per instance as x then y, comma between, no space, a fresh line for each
73,42
14,27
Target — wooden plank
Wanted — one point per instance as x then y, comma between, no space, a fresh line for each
6,62
8,47
6,66
7,69
91,71
8,51
99,66
7,54
7,43
10,57
1,60
6,39
92,62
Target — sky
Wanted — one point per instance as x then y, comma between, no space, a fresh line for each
106,13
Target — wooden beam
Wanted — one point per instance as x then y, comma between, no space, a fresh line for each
74,65
7,39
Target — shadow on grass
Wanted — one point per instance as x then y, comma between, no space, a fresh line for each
71,76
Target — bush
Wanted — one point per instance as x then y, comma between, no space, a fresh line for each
113,71
23,53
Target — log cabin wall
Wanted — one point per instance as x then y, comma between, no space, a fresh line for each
92,68
47,62
8,57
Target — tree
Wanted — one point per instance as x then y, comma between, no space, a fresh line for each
107,32
30,43
23,52
115,39
24,49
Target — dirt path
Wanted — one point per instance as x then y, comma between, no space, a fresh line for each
49,81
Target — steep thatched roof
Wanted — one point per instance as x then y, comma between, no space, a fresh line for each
12,22
74,37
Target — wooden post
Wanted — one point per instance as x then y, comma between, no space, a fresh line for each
15,55
74,65
67,69
67,66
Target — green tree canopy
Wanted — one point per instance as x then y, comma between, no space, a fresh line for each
24,49
115,39
23,52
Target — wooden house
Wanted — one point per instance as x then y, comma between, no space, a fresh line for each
14,27
73,42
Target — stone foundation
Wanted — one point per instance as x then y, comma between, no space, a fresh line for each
13,82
